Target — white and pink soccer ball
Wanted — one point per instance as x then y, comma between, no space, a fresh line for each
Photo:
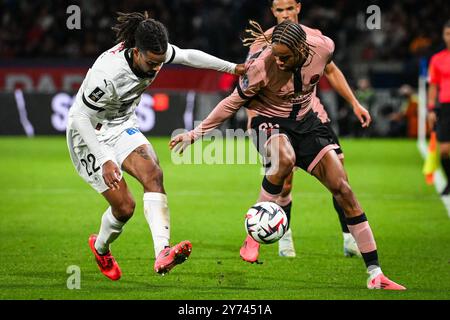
266,222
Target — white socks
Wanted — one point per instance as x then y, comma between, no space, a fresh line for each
347,236
110,229
156,212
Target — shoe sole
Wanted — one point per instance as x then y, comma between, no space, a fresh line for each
348,254
180,256
256,261
386,288
284,255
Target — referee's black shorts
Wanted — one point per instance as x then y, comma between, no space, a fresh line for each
443,123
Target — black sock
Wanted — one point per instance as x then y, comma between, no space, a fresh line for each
445,162
287,209
271,188
341,215
370,258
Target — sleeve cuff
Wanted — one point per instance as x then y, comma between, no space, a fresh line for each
233,68
102,159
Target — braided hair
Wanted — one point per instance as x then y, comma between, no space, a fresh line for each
293,36
287,32
138,30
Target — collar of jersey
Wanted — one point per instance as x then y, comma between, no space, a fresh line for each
137,72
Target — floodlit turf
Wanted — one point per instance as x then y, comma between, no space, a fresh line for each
47,214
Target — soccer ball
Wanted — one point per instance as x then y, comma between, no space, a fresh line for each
266,222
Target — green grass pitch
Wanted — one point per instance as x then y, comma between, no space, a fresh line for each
47,213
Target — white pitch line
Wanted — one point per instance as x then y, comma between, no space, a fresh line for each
439,180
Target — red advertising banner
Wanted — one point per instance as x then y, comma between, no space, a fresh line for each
69,79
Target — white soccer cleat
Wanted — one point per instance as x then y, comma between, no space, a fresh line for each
350,246
286,245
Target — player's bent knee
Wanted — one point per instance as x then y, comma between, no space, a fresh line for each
125,210
153,180
287,188
341,188
286,164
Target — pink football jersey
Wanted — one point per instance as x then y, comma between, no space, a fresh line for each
271,92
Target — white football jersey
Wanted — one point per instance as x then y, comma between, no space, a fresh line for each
113,88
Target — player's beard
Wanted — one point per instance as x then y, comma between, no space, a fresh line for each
148,74
151,74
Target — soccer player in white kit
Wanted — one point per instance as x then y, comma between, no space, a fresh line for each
104,139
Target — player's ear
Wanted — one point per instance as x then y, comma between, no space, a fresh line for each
299,8
135,52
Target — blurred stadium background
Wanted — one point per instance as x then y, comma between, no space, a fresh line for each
42,64
40,55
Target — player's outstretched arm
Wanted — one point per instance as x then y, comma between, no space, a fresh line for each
223,111
248,86
202,60
340,84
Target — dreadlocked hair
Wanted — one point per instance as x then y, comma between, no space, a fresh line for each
293,36
138,30
255,34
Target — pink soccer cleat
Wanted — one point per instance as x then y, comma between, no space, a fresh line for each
250,250
171,256
382,282
106,263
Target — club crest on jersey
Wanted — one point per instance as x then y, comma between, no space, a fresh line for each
245,82
97,94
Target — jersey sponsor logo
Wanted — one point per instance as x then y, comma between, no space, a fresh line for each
97,94
132,131
303,93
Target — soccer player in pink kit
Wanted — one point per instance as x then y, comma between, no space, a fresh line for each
279,86
290,10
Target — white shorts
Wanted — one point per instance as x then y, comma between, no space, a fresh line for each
117,146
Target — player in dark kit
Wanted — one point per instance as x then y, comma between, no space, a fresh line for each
279,86
439,90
